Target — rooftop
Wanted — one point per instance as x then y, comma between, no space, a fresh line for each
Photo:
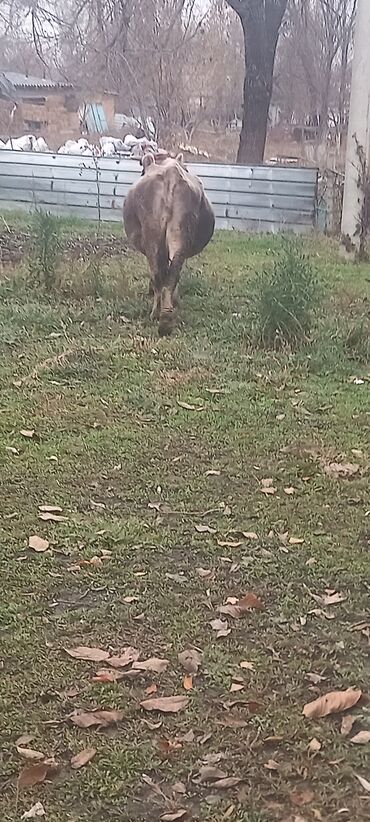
19,81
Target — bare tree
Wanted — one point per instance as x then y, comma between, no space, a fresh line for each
261,23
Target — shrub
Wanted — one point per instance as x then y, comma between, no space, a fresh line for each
44,249
284,298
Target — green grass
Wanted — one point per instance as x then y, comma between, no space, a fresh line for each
101,390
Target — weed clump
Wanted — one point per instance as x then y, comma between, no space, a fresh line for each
44,249
284,298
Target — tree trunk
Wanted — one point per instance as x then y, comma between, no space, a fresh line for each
257,92
261,25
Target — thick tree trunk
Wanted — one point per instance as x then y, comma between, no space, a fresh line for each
261,25
257,93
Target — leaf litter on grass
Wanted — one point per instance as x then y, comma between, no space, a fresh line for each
332,702
35,811
190,660
237,608
38,544
154,664
221,627
82,758
30,754
99,718
165,704
89,654
32,775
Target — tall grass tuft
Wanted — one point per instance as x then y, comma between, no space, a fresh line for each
44,249
285,297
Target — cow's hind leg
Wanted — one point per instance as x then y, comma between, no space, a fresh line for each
169,296
158,263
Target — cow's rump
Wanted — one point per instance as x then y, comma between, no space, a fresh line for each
168,218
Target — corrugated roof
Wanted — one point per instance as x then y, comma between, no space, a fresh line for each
20,80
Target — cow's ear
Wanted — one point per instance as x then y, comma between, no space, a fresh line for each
180,158
147,160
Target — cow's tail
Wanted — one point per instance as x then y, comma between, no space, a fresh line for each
162,258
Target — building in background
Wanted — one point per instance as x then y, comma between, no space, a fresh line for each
32,105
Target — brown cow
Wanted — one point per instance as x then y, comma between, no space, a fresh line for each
167,218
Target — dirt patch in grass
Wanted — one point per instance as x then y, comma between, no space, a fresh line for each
14,246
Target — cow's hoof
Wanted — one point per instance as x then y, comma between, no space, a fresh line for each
166,322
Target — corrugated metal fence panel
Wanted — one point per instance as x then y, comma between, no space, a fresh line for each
245,198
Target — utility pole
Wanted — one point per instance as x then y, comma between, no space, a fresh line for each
359,122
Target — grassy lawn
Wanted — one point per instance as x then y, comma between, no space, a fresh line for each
140,441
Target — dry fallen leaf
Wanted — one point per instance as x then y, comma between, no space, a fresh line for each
154,664
25,739
289,490
151,689
300,798
365,784
38,544
50,509
30,754
128,656
272,765
36,810
107,675
171,817
246,603
89,654
235,687
333,598
12,450
362,738
33,774
267,486
332,702
295,540
86,719
228,543
249,535
248,666
221,627
187,682
347,724
338,470
190,660
213,473
28,433
49,517
226,783
209,773
314,746
189,407
82,758
165,704
204,529
169,746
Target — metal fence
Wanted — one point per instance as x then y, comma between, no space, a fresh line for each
244,198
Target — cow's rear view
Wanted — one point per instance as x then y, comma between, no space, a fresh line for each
168,218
